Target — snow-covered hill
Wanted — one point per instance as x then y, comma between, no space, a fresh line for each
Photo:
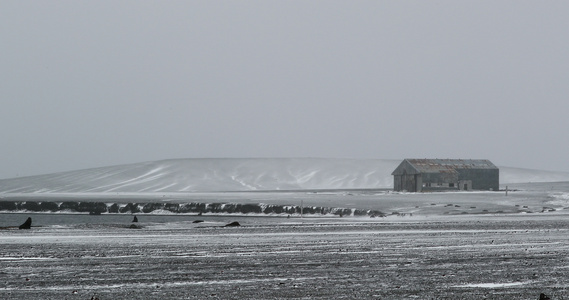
205,175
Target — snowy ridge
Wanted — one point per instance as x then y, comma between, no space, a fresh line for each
214,175
519,175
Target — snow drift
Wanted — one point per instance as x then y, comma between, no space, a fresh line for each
209,175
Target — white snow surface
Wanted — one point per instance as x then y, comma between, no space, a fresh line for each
237,174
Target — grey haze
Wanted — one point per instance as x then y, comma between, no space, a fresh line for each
88,84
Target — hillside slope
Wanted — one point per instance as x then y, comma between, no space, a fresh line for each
205,175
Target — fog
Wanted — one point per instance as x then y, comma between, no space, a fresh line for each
92,84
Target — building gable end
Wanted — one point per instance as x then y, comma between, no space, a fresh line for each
405,167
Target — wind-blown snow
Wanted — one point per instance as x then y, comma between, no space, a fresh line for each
206,175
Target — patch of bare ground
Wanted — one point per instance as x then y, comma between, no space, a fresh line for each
489,258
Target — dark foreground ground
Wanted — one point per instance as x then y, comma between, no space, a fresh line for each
489,257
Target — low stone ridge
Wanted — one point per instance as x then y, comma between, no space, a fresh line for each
96,208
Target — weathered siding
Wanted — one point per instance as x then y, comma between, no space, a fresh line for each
407,182
446,177
397,183
440,174
485,179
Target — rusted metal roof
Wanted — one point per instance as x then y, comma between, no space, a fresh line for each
449,165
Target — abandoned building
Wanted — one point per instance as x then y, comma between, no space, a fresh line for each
422,175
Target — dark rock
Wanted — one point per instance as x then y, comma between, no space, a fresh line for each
233,224
543,296
308,210
133,226
31,206
249,208
8,206
376,213
27,224
130,208
49,206
72,206
238,208
173,207
343,212
360,212
216,207
277,209
99,207
228,208
135,219
150,207
114,208
198,221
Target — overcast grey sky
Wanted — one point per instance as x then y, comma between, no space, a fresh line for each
96,83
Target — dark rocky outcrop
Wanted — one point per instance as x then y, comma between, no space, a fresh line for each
95,208
31,206
9,206
114,208
135,219
173,207
27,224
233,224
150,207
72,206
543,296
240,208
130,208
49,206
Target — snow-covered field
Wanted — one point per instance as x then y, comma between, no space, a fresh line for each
453,245
450,257
460,245
521,198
